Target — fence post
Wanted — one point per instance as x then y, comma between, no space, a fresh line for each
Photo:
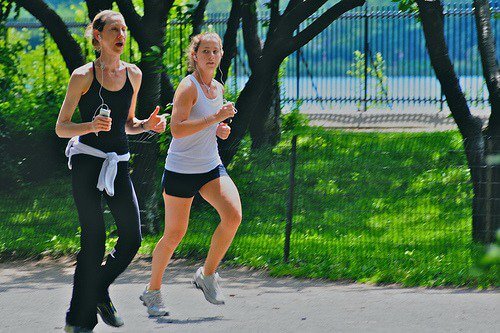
45,60
367,49
291,190
181,26
235,70
297,71
492,160
130,50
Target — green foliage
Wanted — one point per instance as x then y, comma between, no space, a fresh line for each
374,69
407,6
32,91
294,122
370,207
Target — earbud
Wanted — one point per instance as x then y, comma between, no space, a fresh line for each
99,37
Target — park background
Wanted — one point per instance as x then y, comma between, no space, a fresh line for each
370,202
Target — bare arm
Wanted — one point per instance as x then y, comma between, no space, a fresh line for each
184,99
135,126
65,128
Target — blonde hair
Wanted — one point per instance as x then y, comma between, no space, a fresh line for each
98,24
195,44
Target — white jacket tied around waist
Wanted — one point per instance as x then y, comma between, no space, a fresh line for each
109,167
198,152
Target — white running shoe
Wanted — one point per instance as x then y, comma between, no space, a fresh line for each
210,286
153,300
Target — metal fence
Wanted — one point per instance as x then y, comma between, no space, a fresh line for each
326,75
340,205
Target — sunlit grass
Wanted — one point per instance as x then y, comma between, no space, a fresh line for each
370,207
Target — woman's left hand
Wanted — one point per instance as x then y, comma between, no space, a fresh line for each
155,122
223,131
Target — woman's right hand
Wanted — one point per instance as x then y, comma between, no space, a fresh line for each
101,123
227,111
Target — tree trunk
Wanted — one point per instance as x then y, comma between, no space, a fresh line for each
280,43
265,128
246,105
149,32
491,73
431,15
198,17
96,6
167,89
229,42
67,45
486,45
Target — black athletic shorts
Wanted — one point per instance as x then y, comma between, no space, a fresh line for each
186,185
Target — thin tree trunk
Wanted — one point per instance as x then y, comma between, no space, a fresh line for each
486,45
431,15
491,73
229,42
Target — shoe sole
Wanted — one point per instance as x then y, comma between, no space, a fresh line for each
210,300
107,321
167,313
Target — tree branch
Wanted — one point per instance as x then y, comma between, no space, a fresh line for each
157,9
69,48
198,17
300,12
132,18
95,6
431,16
275,17
251,38
322,22
486,45
291,5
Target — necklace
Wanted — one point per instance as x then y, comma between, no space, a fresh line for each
205,85
102,65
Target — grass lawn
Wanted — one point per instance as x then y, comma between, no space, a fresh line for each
370,207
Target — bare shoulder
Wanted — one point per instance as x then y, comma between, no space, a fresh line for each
187,86
82,77
186,92
83,72
135,75
133,70
220,85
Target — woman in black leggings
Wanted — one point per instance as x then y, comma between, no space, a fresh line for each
106,93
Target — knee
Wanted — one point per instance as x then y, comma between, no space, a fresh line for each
91,256
232,218
172,238
92,246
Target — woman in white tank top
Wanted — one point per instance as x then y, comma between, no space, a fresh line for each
193,165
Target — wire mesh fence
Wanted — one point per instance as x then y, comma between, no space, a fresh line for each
329,72
362,203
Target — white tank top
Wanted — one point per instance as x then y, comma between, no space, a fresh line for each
198,152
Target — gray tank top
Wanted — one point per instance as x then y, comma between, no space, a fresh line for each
198,152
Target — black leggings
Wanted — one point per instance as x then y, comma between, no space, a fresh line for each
91,280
